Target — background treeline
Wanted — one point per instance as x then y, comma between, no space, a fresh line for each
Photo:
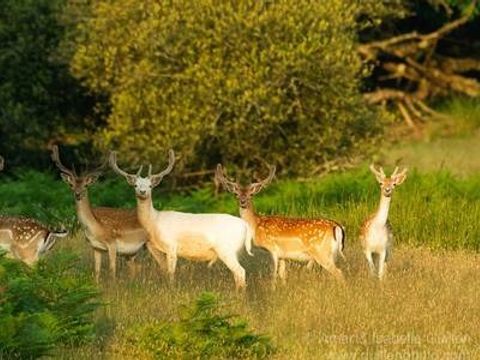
238,82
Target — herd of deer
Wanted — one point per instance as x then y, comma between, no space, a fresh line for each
200,237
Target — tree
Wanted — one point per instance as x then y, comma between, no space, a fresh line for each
40,101
427,53
238,82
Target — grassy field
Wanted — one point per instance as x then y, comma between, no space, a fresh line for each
427,308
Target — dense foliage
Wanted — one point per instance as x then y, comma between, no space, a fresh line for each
40,101
52,303
238,82
203,331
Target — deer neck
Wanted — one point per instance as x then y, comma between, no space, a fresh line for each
248,214
381,216
145,213
85,213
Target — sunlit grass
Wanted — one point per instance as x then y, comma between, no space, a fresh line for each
427,305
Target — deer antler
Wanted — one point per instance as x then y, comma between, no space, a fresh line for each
116,168
158,177
56,159
99,169
379,174
397,175
2,163
220,176
268,179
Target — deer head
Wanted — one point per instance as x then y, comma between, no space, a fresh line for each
388,184
243,193
78,183
143,185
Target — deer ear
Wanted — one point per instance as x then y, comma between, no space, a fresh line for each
400,178
255,188
67,178
155,181
91,179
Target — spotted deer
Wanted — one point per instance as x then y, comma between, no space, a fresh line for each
26,239
376,234
318,240
200,237
108,230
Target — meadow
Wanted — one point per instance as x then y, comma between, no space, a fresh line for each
426,308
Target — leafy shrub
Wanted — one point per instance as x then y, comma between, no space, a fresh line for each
43,306
201,332
235,82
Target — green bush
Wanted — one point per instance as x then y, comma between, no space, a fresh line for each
44,306
235,82
203,331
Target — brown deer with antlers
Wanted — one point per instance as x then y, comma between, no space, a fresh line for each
115,231
25,239
376,234
318,240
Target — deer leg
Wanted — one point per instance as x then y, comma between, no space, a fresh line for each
238,271
382,264
157,255
329,265
171,264
275,267
281,270
112,257
371,265
310,264
132,266
97,256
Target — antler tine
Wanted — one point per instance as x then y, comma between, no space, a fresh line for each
378,173
56,159
149,170
401,173
222,178
394,172
168,170
269,178
99,169
116,168
139,172
2,163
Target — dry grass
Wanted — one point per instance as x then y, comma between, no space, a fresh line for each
427,308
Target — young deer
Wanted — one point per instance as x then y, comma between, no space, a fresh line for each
201,237
376,233
318,240
25,239
115,231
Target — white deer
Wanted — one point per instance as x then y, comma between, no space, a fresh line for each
376,234
200,237
24,238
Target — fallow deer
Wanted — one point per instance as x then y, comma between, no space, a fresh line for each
376,234
115,231
200,237
318,240
25,239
